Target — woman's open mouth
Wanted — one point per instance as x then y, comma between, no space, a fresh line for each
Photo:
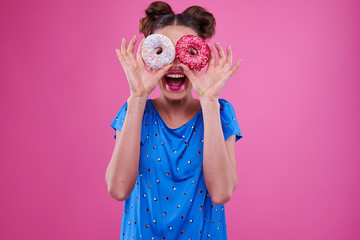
175,80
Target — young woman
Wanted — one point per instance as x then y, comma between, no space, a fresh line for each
174,160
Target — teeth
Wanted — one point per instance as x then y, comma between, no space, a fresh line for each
175,75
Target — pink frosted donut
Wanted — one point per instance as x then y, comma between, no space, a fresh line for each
192,51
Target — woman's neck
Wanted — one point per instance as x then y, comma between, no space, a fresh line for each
177,108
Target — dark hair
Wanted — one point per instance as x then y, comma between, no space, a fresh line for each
159,14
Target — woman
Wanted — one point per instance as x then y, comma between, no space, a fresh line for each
178,169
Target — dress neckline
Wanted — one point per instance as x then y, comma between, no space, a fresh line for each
174,129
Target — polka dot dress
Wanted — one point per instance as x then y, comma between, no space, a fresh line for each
170,199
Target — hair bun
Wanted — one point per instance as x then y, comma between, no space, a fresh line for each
205,19
153,12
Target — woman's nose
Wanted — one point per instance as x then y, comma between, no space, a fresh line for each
175,63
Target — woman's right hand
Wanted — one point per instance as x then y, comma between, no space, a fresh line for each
141,82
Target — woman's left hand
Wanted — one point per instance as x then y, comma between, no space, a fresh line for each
210,84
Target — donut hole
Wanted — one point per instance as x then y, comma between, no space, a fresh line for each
192,51
158,50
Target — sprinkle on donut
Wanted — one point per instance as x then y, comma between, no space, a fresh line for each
157,51
193,51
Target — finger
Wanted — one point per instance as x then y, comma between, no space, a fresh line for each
221,54
138,54
139,58
228,62
236,66
119,56
212,60
189,73
121,59
123,46
132,45
162,71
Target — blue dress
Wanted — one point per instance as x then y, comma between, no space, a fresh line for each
170,199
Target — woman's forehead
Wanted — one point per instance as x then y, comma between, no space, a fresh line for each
176,32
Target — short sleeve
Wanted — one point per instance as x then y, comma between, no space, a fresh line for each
230,125
119,119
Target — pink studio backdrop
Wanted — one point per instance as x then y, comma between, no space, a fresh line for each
296,96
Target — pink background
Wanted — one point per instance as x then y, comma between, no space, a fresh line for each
296,96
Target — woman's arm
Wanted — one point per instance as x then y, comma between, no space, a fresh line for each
218,155
123,168
219,163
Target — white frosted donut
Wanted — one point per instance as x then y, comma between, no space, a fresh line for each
157,51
